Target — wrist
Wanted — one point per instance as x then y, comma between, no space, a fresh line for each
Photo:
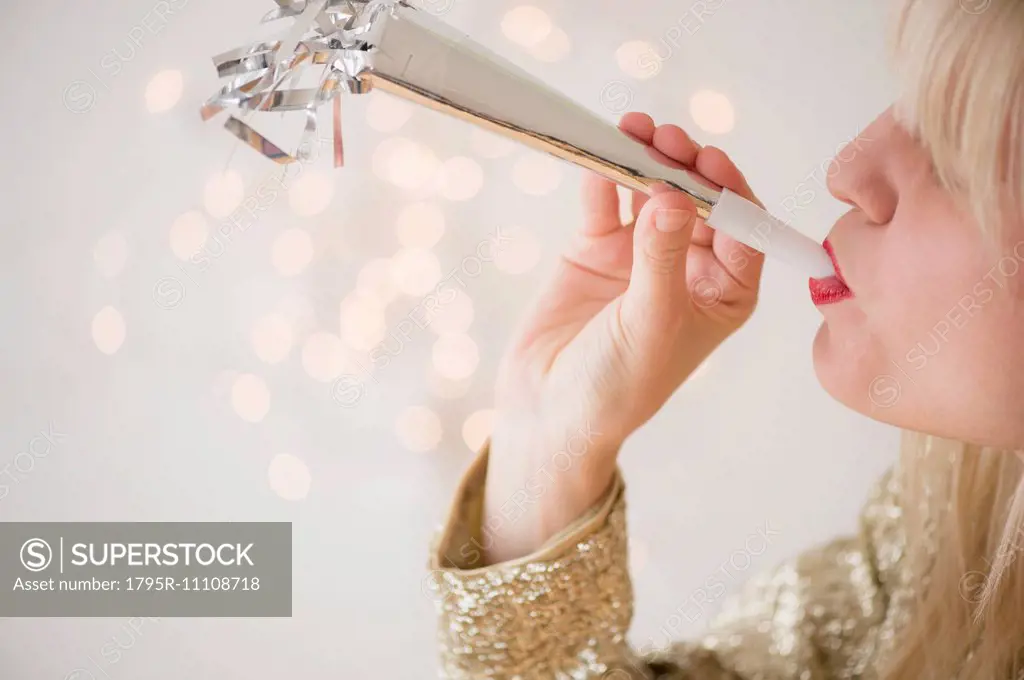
534,493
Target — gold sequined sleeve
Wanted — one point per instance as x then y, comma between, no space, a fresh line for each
563,612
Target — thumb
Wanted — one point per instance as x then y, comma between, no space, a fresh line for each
661,241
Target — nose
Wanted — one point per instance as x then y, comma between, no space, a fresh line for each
860,174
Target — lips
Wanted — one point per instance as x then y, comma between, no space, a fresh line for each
833,289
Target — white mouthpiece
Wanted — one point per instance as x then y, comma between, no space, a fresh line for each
749,224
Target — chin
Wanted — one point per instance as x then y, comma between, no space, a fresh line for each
851,375
853,369
828,366
858,376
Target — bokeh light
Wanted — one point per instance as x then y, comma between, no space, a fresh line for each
108,330
554,47
478,428
299,311
420,225
376,280
526,25
455,357
638,59
460,178
362,322
223,193
311,193
416,271
289,477
292,251
712,112
272,338
188,234
453,315
324,357
419,429
164,90
405,163
446,388
250,397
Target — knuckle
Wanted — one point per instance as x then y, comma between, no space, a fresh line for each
664,258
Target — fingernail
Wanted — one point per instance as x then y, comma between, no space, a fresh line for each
668,220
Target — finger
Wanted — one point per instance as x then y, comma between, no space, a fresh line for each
639,200
600,205
661,240
640,127
714,164
743,263
740,261
703,235
673,141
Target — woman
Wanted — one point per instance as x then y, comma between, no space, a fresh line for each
922,330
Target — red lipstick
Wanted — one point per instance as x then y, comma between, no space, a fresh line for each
832,289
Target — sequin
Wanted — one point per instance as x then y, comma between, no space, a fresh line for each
563,613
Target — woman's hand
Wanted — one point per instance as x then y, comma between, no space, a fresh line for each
631,312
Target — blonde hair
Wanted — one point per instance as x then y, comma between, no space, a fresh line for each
963,508
962,66
961,63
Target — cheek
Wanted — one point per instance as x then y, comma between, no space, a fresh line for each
950,297
922,276
932,345
909,289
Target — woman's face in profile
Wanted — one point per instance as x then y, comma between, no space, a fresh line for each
932,338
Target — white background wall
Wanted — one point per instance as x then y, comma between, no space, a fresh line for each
93,181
